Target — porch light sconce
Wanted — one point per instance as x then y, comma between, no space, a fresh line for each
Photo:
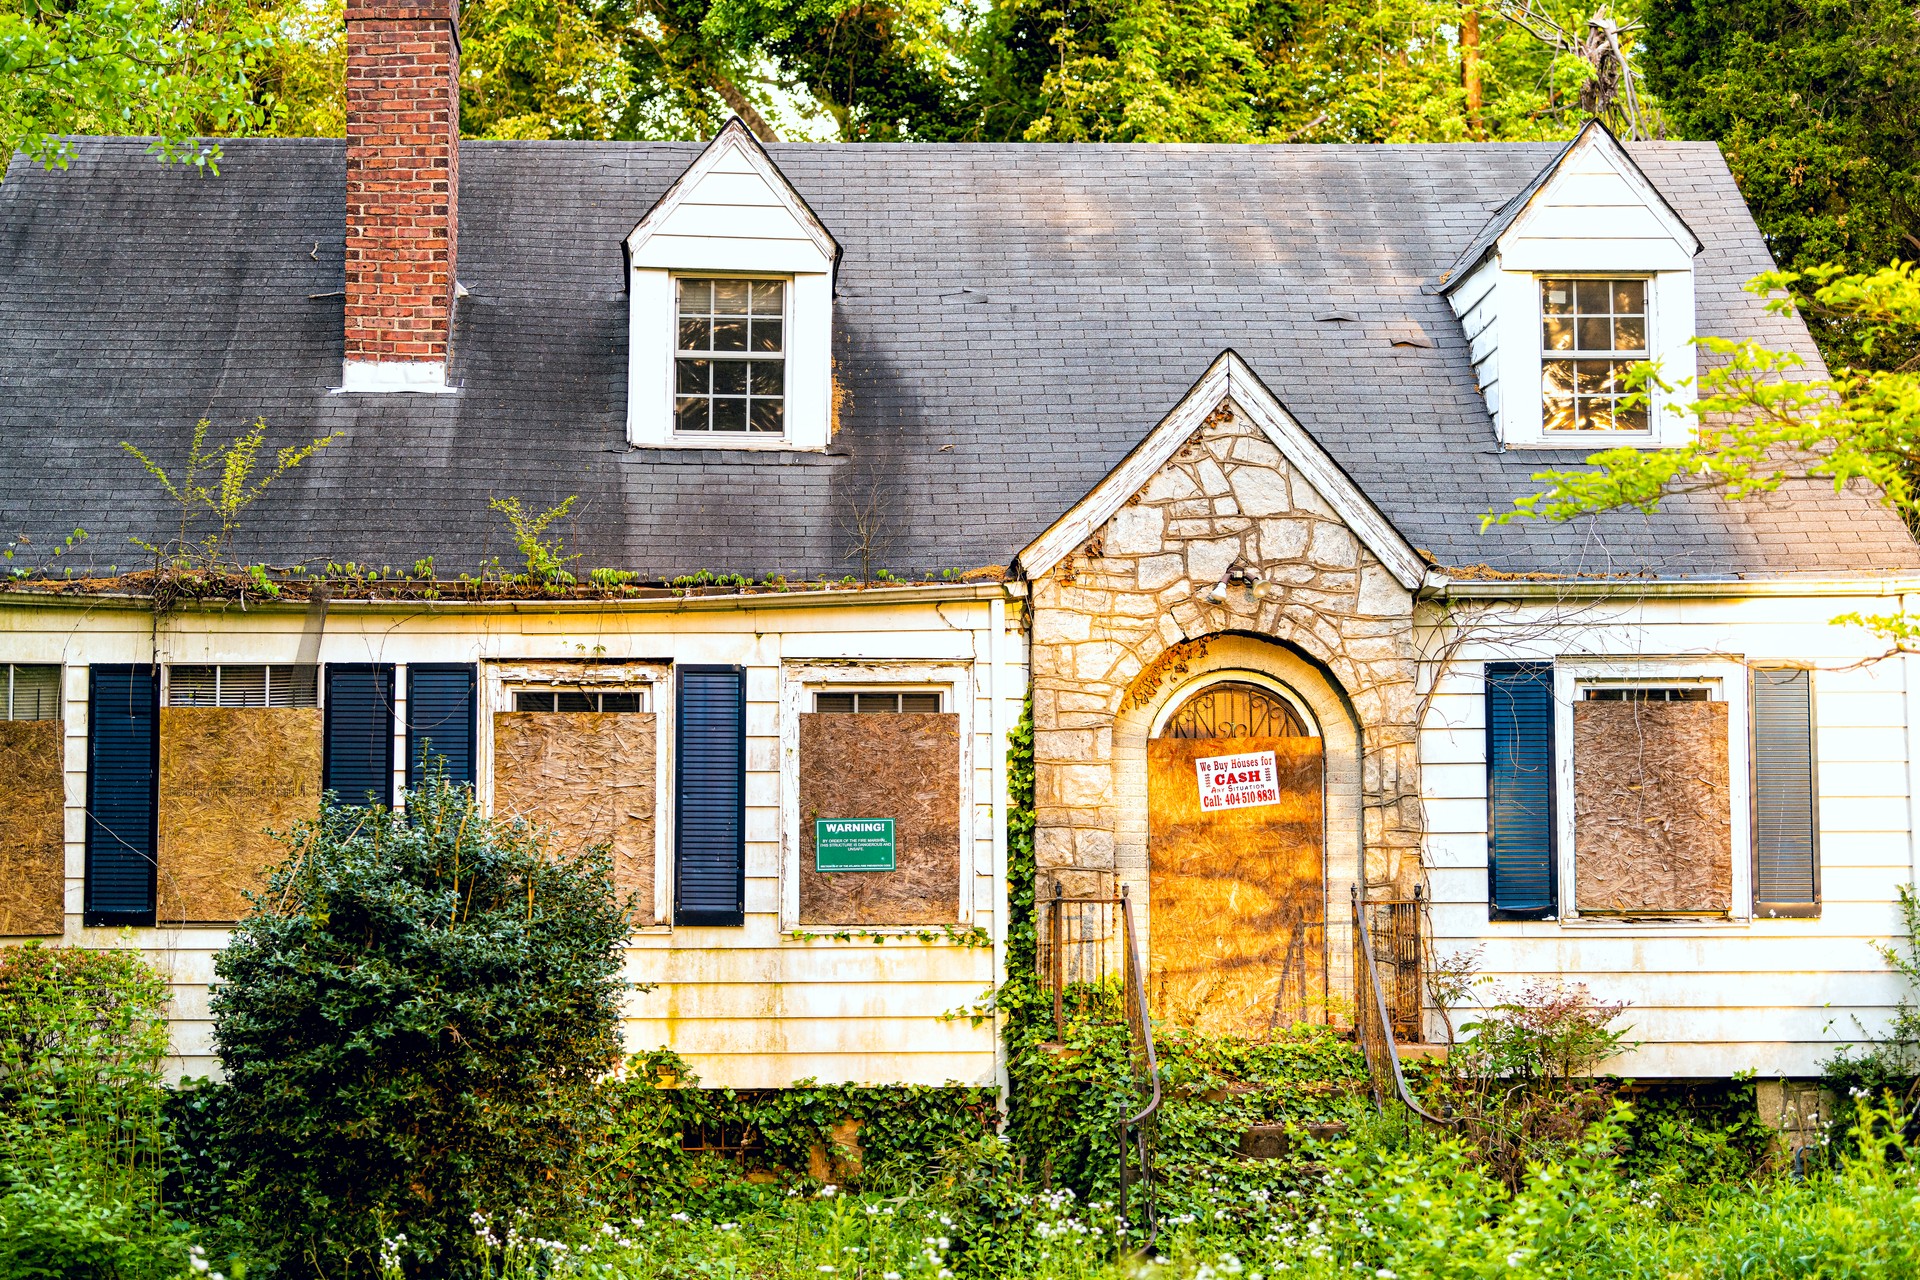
1217,593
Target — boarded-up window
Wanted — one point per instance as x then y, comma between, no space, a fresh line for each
1651,805
904,768
585,774
228,776
1785,852
1520,835
123,746
33,805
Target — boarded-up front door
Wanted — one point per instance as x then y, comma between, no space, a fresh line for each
1236,885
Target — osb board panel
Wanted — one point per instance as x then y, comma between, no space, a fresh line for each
1652,817
904,767
1236,897
587,778
32,828
228,775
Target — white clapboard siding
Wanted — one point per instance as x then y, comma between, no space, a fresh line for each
1706,998
752,1007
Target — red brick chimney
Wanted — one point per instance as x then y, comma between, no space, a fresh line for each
403,192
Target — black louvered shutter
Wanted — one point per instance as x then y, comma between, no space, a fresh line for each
358,766
1785,867
1520,835
123,758
440,721
710,797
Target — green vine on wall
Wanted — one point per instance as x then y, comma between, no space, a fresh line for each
971,937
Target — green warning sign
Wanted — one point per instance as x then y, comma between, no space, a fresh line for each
853,844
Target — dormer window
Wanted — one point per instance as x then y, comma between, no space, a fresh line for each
1591,333
1584,273
729,366
730,310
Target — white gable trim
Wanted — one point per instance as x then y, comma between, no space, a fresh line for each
734,143
1597,139
1228,378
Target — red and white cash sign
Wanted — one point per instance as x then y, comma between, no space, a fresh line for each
1238,782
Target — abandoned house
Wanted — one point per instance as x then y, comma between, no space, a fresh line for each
871,444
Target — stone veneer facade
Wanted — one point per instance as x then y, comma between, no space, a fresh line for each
1121,629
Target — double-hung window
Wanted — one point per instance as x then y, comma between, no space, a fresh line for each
729,365
1591,332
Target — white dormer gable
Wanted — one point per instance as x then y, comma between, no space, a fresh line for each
1528,290
732,227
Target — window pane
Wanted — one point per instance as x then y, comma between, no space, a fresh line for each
243,686
840,703
296,686
1556,377
1593,296
690,415
532,700
696,295
769,377
1556,297
191,686
767,416
1559,415
694,335
729,297
729,335
1630,334
36,693
766,297
729,377
690,377
1593,376
619,702
1557,335
1630,417
766,335
1595,334
572,700
1630,297
879,702
729,415
920,703
1596,415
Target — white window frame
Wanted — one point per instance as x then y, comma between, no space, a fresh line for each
799,681
1725,681
500,679
1521,356
709,439
806,332
1574,353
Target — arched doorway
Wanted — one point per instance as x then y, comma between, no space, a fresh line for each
1236,858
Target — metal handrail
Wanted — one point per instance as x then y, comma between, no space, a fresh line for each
1377,1005
1132,1128
1136,989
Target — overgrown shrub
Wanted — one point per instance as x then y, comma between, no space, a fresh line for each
1521,1086
413,1018
82,1146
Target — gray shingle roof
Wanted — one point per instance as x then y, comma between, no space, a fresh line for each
1011,321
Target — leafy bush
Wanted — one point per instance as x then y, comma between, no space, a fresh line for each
413,1018
82,1145
1890,1061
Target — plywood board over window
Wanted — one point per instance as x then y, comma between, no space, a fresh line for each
1652,812
1237,892
905,767
587,778
32,828
228,775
